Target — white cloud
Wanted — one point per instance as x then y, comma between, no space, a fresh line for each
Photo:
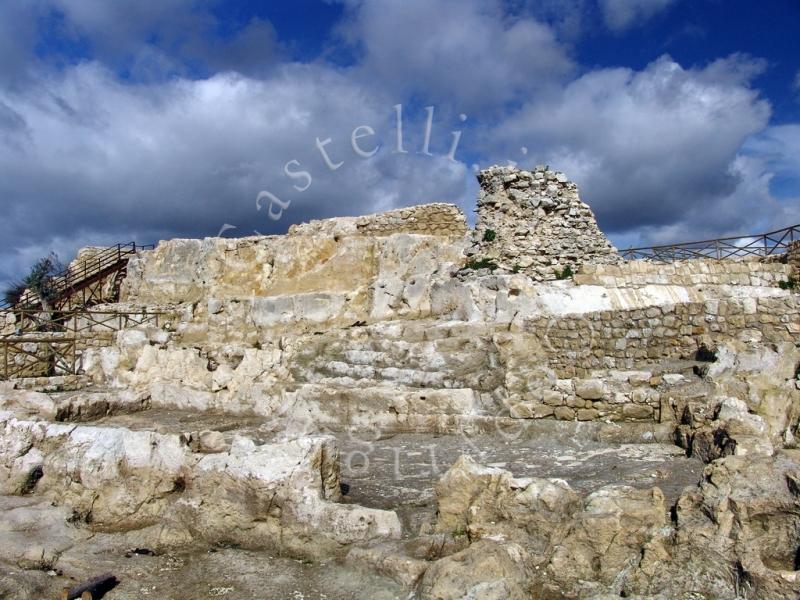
92,157
650,148
466,52
623,14
779,146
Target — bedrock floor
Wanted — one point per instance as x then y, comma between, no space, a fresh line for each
378,469
399,471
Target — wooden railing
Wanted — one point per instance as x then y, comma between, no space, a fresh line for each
78,321
49,344
764,244
81,275
41,357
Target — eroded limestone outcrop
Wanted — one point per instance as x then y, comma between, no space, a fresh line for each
281,495
737,533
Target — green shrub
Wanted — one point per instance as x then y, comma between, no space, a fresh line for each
39,280
13,293
789,284
489,235
483,263
461,531
566,273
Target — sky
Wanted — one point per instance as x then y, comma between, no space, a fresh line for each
139,121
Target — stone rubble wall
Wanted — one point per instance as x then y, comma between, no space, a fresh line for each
535,223
615,396
684,273
790,258
575,345
427,219
793,257
668,391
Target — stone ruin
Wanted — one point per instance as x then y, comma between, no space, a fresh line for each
535,223
354,410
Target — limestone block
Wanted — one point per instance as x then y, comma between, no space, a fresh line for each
590,389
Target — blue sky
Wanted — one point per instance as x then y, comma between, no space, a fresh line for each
141,121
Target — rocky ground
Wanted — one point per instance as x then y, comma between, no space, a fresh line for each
183,502
385,471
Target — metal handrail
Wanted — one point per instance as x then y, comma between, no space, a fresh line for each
764,244
73,278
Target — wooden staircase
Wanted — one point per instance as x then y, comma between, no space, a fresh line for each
73,287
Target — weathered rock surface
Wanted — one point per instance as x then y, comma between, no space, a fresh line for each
737,531
274,495
583,408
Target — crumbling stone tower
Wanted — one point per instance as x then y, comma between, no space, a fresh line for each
535,223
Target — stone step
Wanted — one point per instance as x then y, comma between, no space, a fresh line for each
337,371
421,363
460,376
389,409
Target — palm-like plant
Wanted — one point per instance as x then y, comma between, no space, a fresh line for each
40,279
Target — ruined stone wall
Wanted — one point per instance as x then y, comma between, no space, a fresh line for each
615,396
327,264
793,258
575,345
686,273
535,223
426,219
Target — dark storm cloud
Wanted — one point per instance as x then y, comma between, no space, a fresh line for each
187,157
